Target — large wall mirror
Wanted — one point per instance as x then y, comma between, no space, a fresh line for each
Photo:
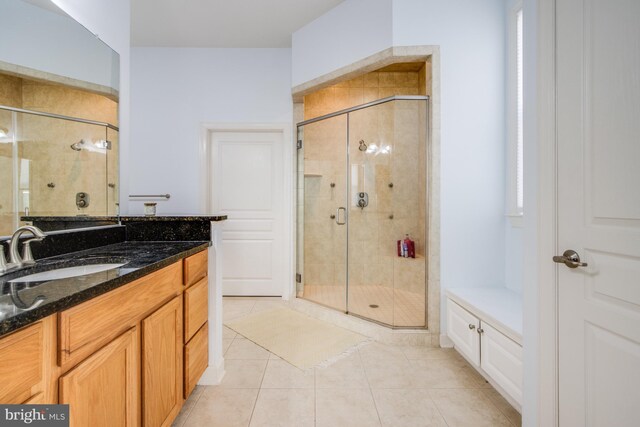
58,116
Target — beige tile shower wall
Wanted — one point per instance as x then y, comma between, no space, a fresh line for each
11,96
46,145
366,88
68,102
45,156
45,150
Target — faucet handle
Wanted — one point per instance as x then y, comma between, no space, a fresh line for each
27,256
3,261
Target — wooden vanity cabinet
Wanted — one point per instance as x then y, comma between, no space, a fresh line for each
126,358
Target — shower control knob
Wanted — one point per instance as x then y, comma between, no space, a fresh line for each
471,326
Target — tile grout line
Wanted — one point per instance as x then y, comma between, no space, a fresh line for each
375,405
188,414
315,398
255,403
435,405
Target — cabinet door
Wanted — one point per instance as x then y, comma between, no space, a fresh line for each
502,361
462,328
104,389
162,365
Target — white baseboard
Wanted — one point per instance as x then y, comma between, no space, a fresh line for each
445,341
212,375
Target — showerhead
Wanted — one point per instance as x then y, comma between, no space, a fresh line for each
98,146
362,146
77,146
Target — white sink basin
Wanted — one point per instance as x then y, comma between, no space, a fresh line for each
65,273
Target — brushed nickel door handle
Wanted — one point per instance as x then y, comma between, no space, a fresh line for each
570,258
344,211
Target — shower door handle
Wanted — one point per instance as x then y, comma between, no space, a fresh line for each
344,211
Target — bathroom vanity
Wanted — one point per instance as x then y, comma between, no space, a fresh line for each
124,346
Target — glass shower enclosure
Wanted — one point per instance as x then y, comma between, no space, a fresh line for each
362,187
47,160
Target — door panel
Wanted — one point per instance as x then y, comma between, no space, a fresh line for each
462,328
598,93
387,168
501,359
104,389
162,364
322,212
248,188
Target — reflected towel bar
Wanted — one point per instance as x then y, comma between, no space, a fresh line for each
152,196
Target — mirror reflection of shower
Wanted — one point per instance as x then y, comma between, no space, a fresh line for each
100,146
373,148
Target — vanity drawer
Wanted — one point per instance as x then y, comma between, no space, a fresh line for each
196,359
90,325
195,267
21,370
196,307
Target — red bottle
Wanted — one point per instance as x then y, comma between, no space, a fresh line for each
410,247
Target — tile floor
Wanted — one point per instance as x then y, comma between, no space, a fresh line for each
379,385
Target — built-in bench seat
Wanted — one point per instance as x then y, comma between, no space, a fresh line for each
485,326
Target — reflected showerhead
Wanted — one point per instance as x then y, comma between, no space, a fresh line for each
99,146
77,146
362,146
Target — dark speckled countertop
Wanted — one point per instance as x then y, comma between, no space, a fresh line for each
141,258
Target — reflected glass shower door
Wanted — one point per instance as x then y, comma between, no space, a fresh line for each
387,201
322,212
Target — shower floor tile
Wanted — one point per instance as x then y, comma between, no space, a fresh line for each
384,304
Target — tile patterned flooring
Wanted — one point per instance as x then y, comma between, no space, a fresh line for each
379,385
396,307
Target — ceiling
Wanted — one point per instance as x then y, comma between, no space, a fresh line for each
221,23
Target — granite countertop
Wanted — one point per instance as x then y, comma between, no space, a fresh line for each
126,218
141,258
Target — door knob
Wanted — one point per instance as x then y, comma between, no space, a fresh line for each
570,258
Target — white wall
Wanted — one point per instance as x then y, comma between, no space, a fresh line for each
111,21
347,33
175,90
470,34
57,44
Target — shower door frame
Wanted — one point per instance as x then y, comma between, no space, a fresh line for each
428,165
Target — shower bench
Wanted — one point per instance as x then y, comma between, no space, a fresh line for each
485,326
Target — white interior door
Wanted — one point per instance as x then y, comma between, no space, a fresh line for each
247,173
598,119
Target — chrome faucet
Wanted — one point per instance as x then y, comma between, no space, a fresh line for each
15,260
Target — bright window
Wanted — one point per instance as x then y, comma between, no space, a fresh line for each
515,157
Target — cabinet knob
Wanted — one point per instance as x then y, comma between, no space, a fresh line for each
480,330
472,326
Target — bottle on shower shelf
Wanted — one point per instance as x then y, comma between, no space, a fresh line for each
409,247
